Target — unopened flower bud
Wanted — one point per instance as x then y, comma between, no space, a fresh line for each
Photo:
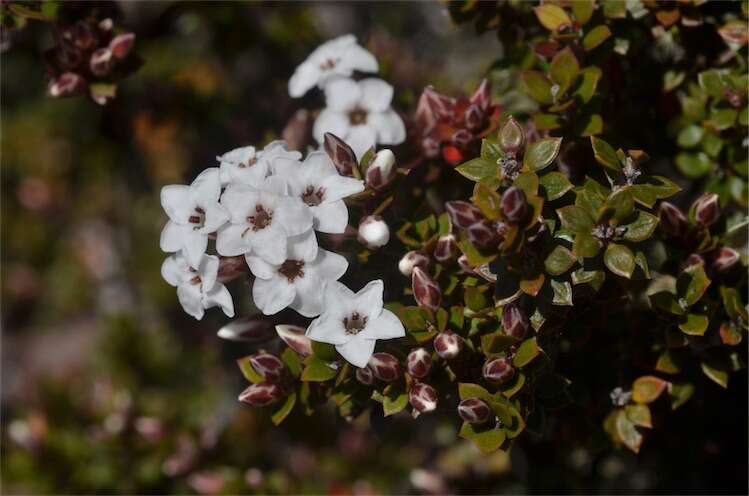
373,232
67,84
514,205
419,363
426,291
253,329
515,321
423,397
463,214
483,94
498,370
474,118
122,44
446,248
82,35
382,170
101,61
365,376
693,259
448,345
295,338
461,138
511,137
412,259
270,367
672,220
481,234
385,367
340,153
229,268
724,258
262,394
707,210
474,411
465,265
431,147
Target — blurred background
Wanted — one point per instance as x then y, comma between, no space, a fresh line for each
109,387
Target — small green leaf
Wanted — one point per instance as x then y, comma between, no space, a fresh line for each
694,165
615,9
248,371
716,373
324,351
667,363
694,325
487,200
642,227
648,388
315,370
559,261
394,400
478,169
587,84
291,359
619,259
562,293
564,69
496,343
605,154
596,36
590,125
575,218
527,351
475,299
467,391
552,17
541,154
475,257
627,432
692,283
680,394
583,10
639,415
537,86
618,206
487,440
555,185
690,136
413,318
283,411
586,245
712,83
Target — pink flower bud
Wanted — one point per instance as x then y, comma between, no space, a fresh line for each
724,258
446,248
481,234
122,44
365,376
229,268
511,137
67,84
270,367
340,153
465,265
431,108
101,61
693,259
426,291
498,370
419,363
515,322
474,411
463,214
483,95
385,367
295,338
448,345
707,210
461,138
423,397
474,118
373,232
254,329
262,394
514,205
672,220
412,259
382,170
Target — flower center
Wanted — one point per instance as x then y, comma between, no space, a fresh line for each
357,116
261,219
196,279
329,63
249,163
198,218
354,324
291,269
312,196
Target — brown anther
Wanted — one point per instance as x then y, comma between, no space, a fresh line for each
355,324
249,163
357,116
291,269
312,196
261,219
198,219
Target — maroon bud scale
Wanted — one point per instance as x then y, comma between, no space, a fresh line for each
295,338
342,156
515,322
498,370
423,397
474,411
707,210
262,394
426,291
270,367
385,367
419,363
448,345
463,214
672,220
514,205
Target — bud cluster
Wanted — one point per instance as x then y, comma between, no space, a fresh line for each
275,383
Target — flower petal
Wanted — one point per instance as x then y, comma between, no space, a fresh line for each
359,59
357,351
175,199
376,94
327,329
275,185
308,300
386,326
369,299
259,267
230,242
190,297
330,217
304,78
302,247
272,295
330,121
208,271
337,297
172,271
293,215
337,187
171,237
389,126
269,243
215,217
318,166
219,296
206,188
342,94
239,200
195,244
290,171
361,138
329,266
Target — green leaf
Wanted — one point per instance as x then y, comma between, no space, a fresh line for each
712,83
615,9
283,411
537,86
596,36
722,119
552,17
716,374
562,293
248,371
324,351
413,318
475,299
541,154
619,259
642,227
315,370
478,169
648,388
586,245
627,431
487,200
595,278
680,394
474,256
555,185
667,363
587,84
693,165
575,218
690,136
527,351
732,303
639,415
528,182
692,283
487,440
590,125
545,122
559,261
694,325
564,69
490,150
467,391
667,302
496,343
618,206
605,154
394,400
291,359
583,10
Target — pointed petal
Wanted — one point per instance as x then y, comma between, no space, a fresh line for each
376,94
330,217
239,200
308,300
275,185
207,186
357,351
269,243
386,326
230,242
191,299
175,199
302,247
330,121
195,244
290,171
208,271
359,59
318,166
219,296
171,237
369,299
172,271
337,187
342,94
215,217
259,267
361,138
329,266
272,295
389,126
337,297
293,215
327,329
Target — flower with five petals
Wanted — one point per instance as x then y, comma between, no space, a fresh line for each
247,165
197,287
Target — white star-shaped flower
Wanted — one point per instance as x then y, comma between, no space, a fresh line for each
297,281
317,183
359,113
248,165
261,220
335,58
197,287
194,213
354,322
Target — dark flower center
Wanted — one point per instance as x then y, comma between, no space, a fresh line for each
198,218
249,163
291,269
261,219
196,279
357,116
354,324
312,196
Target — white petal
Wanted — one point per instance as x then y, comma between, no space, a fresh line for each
329,266
272,295
208,271
171,237
275,185
269,243
318,166
175,199
195,244
293,215
219,296
230,242
238,155
302,247
308,300
239,200
305,77
342,94
172,271
330,121
389,126
215,217
191,299
386,326
252,175
207,186
330,217
327,329
361,138
337,297
369,299
290,171
337,187
376,94
259,267
359,59
357,351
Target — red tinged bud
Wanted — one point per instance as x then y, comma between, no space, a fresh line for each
693,259
514,205
340,153
511,137
68,84
122,44
229,268
385,367
253,329
270,367
474,118
515,322
100,62
474,411
448,345
483,95
295,338
412,259
426,291
381,171
431,108
724,259
672,220
419,363
461,138
365,376
498,370
465,265
707,210
423,397
262,394
463,214
481,234
446,248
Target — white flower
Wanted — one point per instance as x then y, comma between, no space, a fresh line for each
317,183
197,288
194,212
247,165
298,280
359,113
261,220
335,58
354,322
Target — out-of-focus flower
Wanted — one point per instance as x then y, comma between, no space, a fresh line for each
373,232
296,281
253,329
317,183
295,338
247,165
353,322
194,213
359,113
261,221
197,288
333,59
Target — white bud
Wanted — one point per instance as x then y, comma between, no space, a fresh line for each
373,232
410,260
